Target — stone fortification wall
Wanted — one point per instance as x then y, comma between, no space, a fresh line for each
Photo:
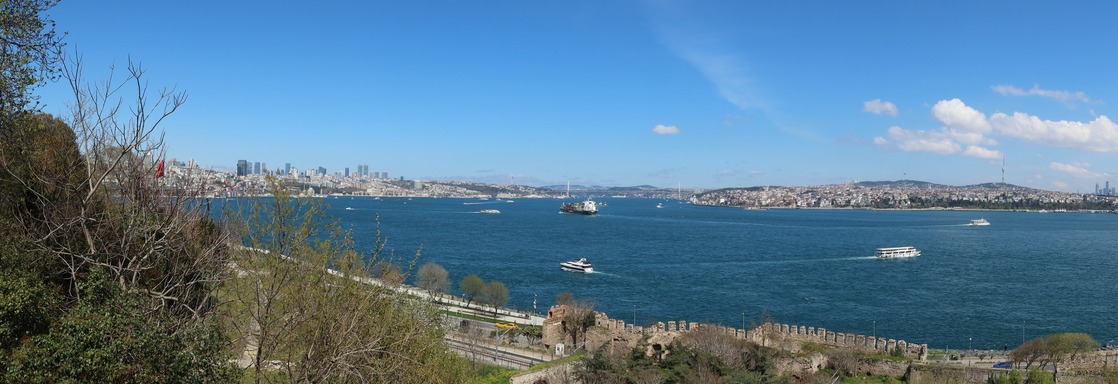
769,334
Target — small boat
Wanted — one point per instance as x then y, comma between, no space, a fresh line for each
587,207
580,265
979,222
493,211
897,252
659,205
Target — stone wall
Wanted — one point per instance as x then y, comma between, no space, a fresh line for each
769,334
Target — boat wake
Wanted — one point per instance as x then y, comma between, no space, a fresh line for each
797,261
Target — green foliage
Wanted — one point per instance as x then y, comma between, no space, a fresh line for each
322,325
26,306
1011,377
472,287
29,53
1039,376
434,278
114,337
697,357
496,294
1053,349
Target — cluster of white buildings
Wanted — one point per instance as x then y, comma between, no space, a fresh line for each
902,197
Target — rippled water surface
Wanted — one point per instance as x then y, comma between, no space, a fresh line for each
1026,275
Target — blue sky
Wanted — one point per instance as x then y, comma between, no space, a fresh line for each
702,94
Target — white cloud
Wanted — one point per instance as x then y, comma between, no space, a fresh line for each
969,132
923,141
982,153
1099,135
661,129
1077,169
1065,97
878,107
956,115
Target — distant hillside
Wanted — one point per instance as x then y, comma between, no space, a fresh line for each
576,187
924,184
899,184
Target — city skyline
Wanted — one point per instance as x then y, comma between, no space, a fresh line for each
622,93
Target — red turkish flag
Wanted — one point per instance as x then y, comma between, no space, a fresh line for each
159,170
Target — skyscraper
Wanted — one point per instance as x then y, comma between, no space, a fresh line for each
242,167
286,168
346,172
256,168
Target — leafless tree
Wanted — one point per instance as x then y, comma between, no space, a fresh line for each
105,208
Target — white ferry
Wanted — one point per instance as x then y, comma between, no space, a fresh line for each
897,252
979,222
580,265
490,211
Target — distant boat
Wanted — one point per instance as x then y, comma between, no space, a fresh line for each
587,207
659,205
580,265
897,252
979,222
493,211
349,208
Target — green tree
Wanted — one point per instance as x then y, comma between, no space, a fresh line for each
304,299
433,278
111,336
123,266
472,287
496,294
29,54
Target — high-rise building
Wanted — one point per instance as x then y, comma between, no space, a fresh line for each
346,172
383,175
242,167
322,171
263,167
256,168
286,168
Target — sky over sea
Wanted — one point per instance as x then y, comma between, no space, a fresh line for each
702,94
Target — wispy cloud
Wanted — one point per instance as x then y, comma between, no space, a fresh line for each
969,132
1076,169
701,46
661,129
878,107
1067,97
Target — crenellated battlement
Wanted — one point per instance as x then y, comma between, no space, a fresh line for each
770,334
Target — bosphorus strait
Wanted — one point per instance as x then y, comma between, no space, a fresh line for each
1027,275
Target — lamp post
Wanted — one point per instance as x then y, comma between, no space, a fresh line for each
970,346
743,321
875,331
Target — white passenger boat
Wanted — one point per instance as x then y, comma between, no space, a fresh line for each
580,265
897,252
492,211
979,222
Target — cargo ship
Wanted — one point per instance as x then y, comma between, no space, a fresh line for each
587,207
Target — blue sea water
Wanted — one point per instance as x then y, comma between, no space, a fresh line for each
1027,275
